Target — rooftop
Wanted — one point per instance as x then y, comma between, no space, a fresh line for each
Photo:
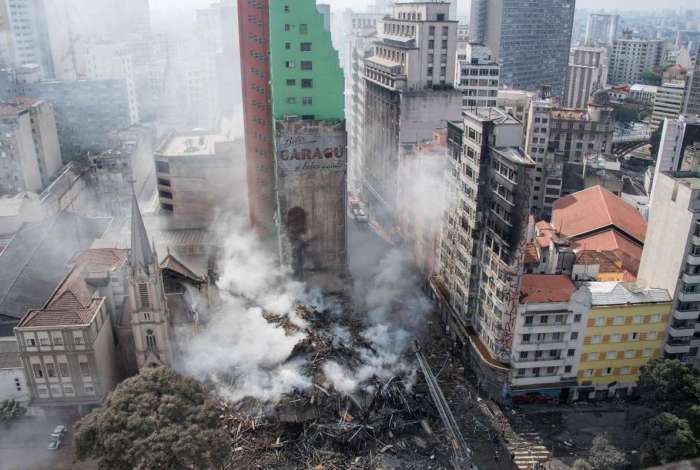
595,209
686,178
515,155
542,288
185,145
610,240
73,302
487,114
624,293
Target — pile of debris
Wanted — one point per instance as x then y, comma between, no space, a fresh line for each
386,422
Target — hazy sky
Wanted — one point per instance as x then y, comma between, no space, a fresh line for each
607,4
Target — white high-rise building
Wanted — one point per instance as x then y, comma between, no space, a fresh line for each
630,58
477,76
588,72
668,102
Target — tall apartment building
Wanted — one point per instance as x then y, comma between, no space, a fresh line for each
668,102
601,29
488,184
588,72
556,136
692,101
29,143
630,58
680,140
310,143
671,257
296,143
477,76
532,52
409,92
363,31
254,37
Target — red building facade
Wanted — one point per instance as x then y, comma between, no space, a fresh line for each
253,22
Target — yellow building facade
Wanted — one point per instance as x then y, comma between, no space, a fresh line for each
625,329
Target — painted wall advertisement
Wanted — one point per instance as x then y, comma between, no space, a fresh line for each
298,152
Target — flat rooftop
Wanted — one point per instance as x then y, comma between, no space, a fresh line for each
497,115
515,155
190,145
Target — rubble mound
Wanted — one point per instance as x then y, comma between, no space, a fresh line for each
385,422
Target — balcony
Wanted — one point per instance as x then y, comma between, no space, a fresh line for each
691,278
693,259
681,329
541,362
541,345
689,296
686,314
677,348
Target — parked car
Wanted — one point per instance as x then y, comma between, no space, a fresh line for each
59,432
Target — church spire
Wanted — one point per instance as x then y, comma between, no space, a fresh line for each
141,253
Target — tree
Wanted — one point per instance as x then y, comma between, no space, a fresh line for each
157,419
651,77
10,410
670,385
605,456
667,438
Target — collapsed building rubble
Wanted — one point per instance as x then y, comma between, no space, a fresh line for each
388,421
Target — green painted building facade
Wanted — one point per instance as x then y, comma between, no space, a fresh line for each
306,76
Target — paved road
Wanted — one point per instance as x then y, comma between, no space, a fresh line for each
23,446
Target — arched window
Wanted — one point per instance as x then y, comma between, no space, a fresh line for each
150,341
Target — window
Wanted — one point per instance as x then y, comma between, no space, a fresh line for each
444,43
150,341
77,338
536,371
607,371
611,355
600,321
655,318
526,338
89,389
63,369
303,29
571,353
38,371
567,369
44,341
288,45
637,319
162,167
521,372
291,100
574,335
629,354
307,83
523,354
43,391
306,65
84,369
144,298
646,352
593,356
286,8
307,101
528,320
291,82
68,389
290,64
652,335
619,320
634,337
596,339
616,338
544,319
431,44
51,369
625,371
146,316
560,319
445,30
30,341
431,30
58,340
165,194
305,47
588,373
287,27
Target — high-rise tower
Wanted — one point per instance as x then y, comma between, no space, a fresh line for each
295,135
